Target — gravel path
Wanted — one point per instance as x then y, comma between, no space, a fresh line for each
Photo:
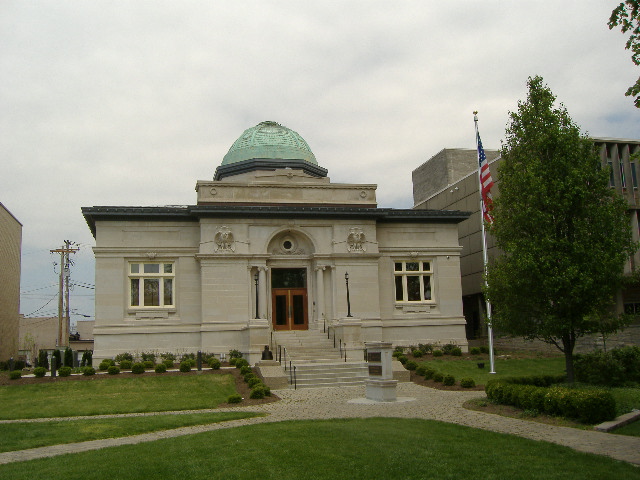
415,401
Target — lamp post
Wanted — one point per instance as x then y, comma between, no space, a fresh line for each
255,277
346,279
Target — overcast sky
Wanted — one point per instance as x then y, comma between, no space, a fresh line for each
131,102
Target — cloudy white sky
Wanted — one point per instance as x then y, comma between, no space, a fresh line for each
129,103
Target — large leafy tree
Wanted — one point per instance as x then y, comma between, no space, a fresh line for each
627,17
564,232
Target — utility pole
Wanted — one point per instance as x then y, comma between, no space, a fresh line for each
63,294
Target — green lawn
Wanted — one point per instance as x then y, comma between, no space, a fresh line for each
351,449
633,429
152,393
461,367
20,436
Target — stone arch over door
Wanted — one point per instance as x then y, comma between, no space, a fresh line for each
290,242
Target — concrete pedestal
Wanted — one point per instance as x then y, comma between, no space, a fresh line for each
381,390
380,387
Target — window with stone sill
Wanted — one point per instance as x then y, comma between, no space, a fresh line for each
413,281
151,284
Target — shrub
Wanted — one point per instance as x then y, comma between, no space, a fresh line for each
249,376
214,363
234,398
467,382
474,350
398,349
58,356
437,377
484,349
235,354
39,372
185,366
64,371
88,371
68,357
168,356
449,380
241,362
161,368
267,390
614,368
456,352
123,356
428,373
403,359
410,365
421,370
397,354
257,392
148,364
437,353
232,361
428,348
113,370
105,364
87,359
253,382
15,374
448,348
126,364
43,359
417,353
245,369
137,368
167,362
148,357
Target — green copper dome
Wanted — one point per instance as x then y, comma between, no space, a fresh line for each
269,146
269,140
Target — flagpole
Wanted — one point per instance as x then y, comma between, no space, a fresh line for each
484,250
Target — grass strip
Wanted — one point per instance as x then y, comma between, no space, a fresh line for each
461,368
332,449
153,393
20,436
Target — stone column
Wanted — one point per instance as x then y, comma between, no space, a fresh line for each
380,385
320,295
262,296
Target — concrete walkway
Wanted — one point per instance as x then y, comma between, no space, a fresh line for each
343,402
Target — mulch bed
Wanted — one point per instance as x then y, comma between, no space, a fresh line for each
420,380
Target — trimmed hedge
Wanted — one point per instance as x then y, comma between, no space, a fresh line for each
64,371
214,363
234,398
161,368
113,370
617,367
449,380
15,374
544,394
39,372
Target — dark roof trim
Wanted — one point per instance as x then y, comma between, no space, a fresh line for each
267,164
192,213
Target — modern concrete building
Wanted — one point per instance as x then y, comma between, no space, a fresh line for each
10,247
273,246
449,180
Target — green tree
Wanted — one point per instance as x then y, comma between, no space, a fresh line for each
564,232
627,17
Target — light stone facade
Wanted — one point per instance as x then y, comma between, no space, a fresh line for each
10,247
267,248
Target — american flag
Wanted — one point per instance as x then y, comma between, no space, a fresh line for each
486,182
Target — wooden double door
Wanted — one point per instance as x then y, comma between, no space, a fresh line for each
289,299
289,308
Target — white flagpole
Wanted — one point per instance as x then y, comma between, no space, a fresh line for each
484,252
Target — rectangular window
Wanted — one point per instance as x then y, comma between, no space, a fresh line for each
413,281
151,284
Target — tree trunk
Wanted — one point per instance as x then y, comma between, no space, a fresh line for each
568,342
